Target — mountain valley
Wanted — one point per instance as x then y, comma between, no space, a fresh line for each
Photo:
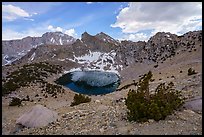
167,55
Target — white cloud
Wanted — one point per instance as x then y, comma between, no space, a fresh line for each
29,19
174,17
51,28
10,34
11,13
138,37
135,37
89,2
36,31
93,2
71,32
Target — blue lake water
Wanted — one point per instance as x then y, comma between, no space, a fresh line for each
90,82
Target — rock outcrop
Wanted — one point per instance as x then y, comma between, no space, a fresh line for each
38,116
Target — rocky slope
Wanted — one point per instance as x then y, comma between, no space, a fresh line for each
158,48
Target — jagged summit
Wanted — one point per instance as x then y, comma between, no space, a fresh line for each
103,36
54,33
85,35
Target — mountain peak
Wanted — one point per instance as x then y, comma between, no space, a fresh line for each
103,36
102,33
57,33
85,33
18,48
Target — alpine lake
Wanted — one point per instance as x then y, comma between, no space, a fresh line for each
91,82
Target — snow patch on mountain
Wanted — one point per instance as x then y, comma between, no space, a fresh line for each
22,53
52,40
91,57
98,61
53,55
60,41
32,57
168,35
5,56
61,59
8,59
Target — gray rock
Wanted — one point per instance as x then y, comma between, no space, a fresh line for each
38,116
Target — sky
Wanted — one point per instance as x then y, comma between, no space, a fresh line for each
136,21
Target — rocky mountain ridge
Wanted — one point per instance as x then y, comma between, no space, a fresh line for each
15,49
103,52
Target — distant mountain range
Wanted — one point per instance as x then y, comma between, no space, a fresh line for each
15,49
97,52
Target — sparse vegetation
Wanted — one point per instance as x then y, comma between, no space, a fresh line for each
15,102
142,105
191,72
28,74
52,89
79,98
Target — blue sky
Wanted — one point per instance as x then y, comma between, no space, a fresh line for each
121,20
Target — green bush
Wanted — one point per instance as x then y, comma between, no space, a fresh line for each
142,105
191,72
15,102
79,98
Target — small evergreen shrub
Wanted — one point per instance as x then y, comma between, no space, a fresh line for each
155,66
142,105
15,102
36,95
191,72
151,80
79,98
